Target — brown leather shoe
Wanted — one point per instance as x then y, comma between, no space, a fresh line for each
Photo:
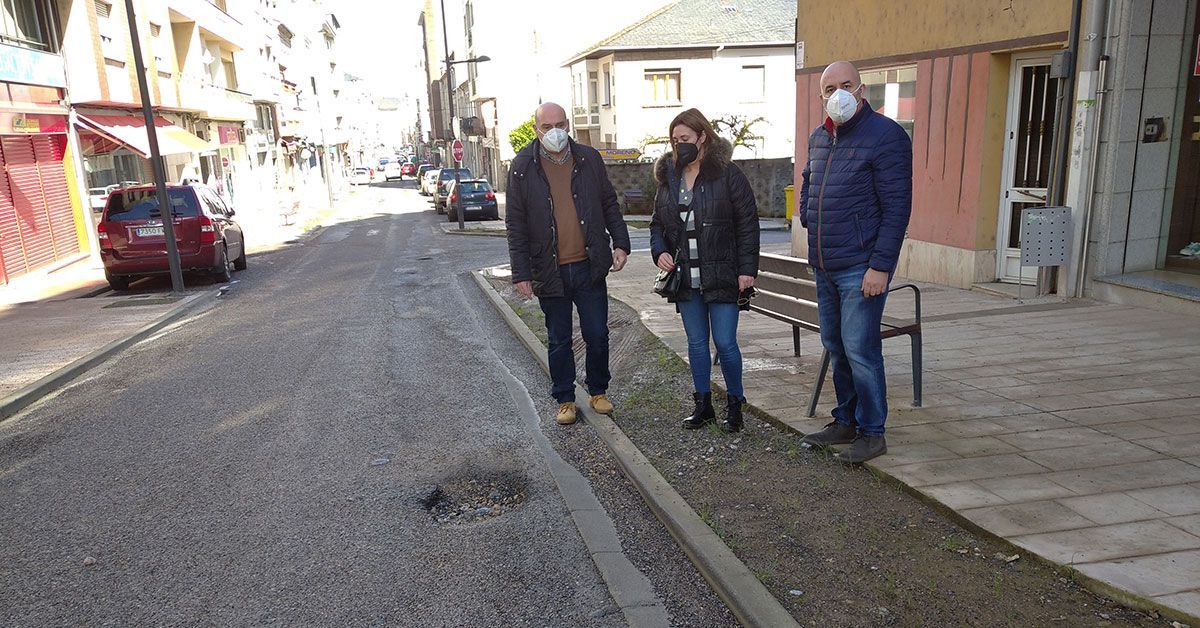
601,404
566,413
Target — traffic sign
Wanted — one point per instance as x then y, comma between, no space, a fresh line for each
456,149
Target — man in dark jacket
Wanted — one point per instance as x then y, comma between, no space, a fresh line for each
565,233
855,201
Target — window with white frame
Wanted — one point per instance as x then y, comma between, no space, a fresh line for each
752,83
893,92
25,23
607,85
662,87
106,25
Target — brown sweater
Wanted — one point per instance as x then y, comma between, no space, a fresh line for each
571,245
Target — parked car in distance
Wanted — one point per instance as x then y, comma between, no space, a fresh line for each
446,176
360,176
392,171
422,168
478,200
426,182
408,169
98,197
131,234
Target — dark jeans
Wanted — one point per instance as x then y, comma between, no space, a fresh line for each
721,320
850,332
591,299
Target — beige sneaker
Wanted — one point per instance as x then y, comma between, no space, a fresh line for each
566,413
601,404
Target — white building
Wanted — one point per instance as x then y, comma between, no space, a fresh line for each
728,59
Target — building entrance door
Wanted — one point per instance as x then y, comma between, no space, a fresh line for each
1027,150
1183,239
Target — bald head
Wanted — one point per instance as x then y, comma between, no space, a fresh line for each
839,75
549,113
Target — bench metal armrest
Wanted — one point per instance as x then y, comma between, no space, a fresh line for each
917,296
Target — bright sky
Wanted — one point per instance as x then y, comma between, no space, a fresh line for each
379,43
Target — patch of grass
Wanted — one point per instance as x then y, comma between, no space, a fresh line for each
953,543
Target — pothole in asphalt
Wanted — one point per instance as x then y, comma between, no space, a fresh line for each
473,500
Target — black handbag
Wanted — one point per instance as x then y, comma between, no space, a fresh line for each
668,283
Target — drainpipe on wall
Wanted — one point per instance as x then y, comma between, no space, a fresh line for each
1062,139
1096,68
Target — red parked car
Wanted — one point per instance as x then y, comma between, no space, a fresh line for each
408,169
131,234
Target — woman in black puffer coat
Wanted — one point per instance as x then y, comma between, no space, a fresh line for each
705,211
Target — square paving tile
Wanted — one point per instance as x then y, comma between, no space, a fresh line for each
1173,446
1032,422
1031,518
1127,476
1115,452
1110,508
1189,524
1027,488
899,455
1173,500
1179,425
1188,602
1053,439
1109,542
908,434
1129,430
962,495
965,469
980,446
1158,575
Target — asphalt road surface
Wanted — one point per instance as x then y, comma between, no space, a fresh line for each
315,449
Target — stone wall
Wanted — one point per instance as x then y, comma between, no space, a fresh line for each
767,177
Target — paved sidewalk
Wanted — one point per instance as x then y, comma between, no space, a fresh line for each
1071,429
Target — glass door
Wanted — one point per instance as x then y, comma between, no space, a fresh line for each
1027,155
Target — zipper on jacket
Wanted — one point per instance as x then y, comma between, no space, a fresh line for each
821,200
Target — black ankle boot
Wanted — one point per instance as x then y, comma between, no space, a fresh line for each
703,414
733,415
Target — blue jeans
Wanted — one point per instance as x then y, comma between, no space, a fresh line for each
850,332
591,299
721,320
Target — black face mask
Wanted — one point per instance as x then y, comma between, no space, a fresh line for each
685,153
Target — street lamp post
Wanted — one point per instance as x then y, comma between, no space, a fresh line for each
450,107
160,173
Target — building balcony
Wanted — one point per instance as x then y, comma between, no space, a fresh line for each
585,117
213,21
217,102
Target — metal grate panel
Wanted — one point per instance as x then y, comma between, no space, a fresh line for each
1045,236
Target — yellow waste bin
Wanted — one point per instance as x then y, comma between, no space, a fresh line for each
789,199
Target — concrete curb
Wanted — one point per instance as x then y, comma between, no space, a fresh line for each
751,603
30,394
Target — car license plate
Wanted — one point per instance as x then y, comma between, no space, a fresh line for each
147,232
474,208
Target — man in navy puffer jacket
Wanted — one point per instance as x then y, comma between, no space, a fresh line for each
855,202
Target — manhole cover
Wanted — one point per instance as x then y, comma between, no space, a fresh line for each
472,500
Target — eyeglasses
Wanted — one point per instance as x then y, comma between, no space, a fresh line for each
748,295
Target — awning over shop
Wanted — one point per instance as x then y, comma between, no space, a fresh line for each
130,131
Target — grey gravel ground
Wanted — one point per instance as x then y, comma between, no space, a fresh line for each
266,462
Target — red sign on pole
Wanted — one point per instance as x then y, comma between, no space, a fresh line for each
456,149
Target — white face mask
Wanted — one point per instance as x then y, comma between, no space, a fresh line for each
841,106
555,140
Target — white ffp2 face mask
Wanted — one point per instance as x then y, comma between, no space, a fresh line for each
841,106
555,140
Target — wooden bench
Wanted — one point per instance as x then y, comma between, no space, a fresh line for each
787,291
634,197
